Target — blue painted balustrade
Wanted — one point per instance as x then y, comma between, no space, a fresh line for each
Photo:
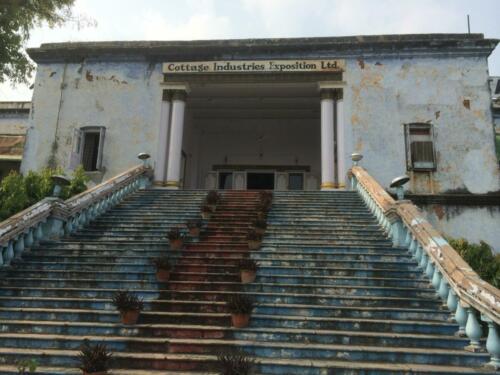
53,218
458,286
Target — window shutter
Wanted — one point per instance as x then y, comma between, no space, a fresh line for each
75,158
422,154
408,150
102,132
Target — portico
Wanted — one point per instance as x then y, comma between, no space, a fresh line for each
274,130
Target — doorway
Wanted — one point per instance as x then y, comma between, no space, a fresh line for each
260,181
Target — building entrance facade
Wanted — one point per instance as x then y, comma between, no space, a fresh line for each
286,135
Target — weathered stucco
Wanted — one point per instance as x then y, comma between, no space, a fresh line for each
384,90
123,97
383,94
470,222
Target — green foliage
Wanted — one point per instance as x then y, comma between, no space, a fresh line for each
94,358
18,192
481,259
26,366
17,19
78,183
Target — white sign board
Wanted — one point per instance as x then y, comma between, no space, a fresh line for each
254,66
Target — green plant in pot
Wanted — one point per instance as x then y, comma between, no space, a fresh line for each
163,268
248,270
129,306
206,212
26,366
194,227
265,195
259,225
254,240
94,359
212,199
240,307
235,363
175,238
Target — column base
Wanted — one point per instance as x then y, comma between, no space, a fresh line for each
172,185
325,186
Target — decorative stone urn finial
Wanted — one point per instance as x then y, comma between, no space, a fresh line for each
355,157
144,156
398,183
59,182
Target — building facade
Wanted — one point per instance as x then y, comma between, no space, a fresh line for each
271,113
14,117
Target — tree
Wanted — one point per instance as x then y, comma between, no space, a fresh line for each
17,19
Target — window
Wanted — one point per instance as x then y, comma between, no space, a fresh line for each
87,150
295,181
419,141
497,89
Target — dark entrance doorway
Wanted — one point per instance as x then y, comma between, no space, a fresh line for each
260,181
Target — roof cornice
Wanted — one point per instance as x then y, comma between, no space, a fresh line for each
352,46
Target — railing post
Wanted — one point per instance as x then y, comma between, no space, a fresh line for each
473,331
10,253
28,238
461,318
451,302
492,343
19,246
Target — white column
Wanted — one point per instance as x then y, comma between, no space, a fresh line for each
175,145
327,141
341,143
162,150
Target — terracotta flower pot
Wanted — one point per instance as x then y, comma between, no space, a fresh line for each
194,232
240,320
205,215
259,230
176,244
254,245
95,373
130,317
162,274
247,276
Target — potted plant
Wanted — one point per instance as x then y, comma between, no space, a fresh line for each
254,240
129,306
248,270
26,366
194,227
175,238
94,359
212,199
265,195
259,225
235,362
163,268
240,307
206,212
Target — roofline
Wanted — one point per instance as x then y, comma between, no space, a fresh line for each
241,48
15,106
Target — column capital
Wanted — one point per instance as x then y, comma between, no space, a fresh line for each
166,95
179,95
331,93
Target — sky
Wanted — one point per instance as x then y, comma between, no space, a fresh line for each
225,19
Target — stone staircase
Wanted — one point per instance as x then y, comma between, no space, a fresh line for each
334,296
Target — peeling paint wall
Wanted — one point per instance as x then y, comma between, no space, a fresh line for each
381,95
472,223
450,93
124,97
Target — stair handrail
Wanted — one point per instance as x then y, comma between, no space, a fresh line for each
460,287
52,217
